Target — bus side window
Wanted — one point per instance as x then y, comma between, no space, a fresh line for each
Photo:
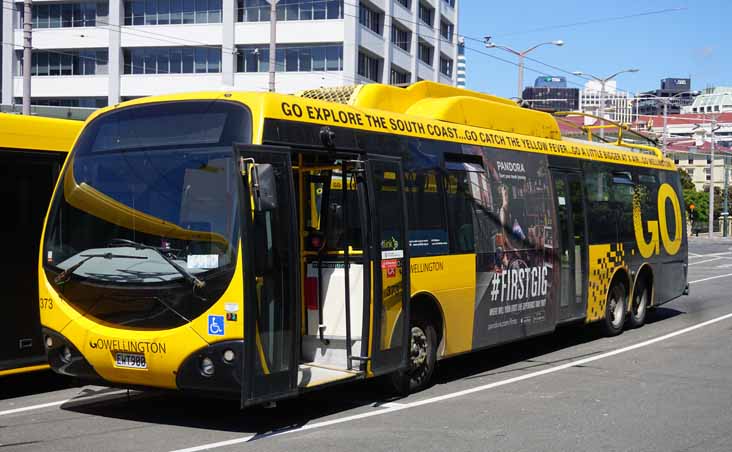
427,222
469,208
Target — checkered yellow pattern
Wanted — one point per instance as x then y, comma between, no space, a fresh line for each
604,261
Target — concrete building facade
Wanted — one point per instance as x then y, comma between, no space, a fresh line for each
90,53
618,105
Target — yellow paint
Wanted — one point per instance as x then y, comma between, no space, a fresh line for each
672,246
604,262
37,133
451,280
23,370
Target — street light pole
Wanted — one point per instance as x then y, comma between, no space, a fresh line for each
711,182
602,81
520,55
272,43
665,128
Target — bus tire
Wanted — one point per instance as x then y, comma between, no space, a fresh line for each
422,359
615,310
639,308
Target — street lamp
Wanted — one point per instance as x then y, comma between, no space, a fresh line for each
712,131
491,45
666,100
602,81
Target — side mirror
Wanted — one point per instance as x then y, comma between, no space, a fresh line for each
264,187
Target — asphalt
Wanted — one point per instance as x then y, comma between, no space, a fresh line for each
664,387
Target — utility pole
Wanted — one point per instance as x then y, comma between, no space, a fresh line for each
272,43
27,54
711,182
725,210
665,127
602,109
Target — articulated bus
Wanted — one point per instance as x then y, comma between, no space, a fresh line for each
32,150
258,245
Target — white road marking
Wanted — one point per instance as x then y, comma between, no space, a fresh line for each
722,253
711,277
60,402
724,266
704,262
453,395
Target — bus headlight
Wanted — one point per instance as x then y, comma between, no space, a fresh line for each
229,355
207,367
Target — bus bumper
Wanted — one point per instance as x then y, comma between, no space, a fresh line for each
216,368
66,359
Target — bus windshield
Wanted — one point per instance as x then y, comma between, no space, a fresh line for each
149,200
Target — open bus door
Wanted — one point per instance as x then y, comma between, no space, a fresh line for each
270,253
389,257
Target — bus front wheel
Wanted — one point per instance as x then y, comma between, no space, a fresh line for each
422,358
615,310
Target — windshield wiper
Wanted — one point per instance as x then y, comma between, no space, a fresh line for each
190,277
64,276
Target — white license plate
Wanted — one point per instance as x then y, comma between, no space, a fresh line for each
131,360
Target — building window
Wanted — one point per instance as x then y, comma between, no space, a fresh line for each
291,58
401,38
369,67
258,10
446,30
171,60
446,65
404,3
425,53
85,102
398,77
426,14
64,15
165,12
450,3
65,62
370,18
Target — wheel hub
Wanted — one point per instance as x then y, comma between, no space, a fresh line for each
418,350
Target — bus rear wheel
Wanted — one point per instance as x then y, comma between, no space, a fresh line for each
422,359
615,310
639,308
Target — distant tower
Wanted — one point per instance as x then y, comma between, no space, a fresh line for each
461,63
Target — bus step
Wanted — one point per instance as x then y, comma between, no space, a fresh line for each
312,375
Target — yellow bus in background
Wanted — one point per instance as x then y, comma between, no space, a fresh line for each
257,245
32,151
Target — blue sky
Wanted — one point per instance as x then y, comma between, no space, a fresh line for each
694,40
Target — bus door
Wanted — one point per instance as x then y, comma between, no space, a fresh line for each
572,243
270,254
389,256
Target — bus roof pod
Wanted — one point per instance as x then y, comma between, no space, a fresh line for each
444,103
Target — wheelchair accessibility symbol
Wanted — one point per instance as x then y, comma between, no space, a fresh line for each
216,325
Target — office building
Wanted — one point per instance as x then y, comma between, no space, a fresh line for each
550,93
94,53
678,89
618,105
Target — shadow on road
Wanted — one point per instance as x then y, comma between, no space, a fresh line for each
33,383
212,414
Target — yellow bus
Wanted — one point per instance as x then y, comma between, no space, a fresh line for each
258,245
32,150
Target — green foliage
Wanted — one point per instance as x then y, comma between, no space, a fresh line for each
686,182
700,200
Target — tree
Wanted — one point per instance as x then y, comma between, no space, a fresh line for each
686,182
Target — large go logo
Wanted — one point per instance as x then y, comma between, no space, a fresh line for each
660,227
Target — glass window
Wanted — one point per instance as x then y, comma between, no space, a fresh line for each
201,11
214,11
370,18
305,57
150,61
43,16
291,60
176,11
151,10
43,63
163,61
138,12
318,58
138,61
319,9
67,15
426,14
54,64
214,60
201,56
188,57
54,16
90,14
66,65
306,10
176,58
333,55
163,12
334,9
189,11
